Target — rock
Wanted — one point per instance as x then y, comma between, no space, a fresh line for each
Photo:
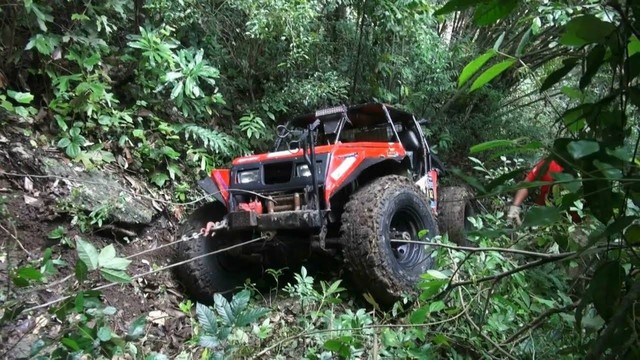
92,190
87,190
22,349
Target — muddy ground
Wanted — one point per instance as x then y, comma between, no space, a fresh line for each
31,212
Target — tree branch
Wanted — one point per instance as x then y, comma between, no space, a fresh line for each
539,321
602,344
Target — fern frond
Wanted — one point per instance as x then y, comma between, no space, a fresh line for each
212,140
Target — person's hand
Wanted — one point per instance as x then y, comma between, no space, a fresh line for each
513,214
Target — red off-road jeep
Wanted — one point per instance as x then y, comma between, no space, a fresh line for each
351,182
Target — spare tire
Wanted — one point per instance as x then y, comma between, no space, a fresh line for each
454,209
217,273
388,208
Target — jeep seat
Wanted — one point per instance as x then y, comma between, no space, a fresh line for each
412,145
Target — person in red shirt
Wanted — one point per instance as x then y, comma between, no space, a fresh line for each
541,172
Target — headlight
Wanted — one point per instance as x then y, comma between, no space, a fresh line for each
248,176
302,170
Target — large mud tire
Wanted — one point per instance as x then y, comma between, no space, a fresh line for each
454,209
387,269
204,277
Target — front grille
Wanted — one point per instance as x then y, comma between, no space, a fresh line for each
278,173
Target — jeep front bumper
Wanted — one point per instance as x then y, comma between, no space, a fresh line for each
293,220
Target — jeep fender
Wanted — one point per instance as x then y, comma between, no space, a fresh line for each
358,168
217,185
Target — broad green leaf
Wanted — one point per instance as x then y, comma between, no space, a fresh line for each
56,233
557,75
632,64
177,90
104,334
159,178
170,152
341,346
581,148
586,29
207,319
21,97
634,46
81,271
609,171
436,306
567,181
173,75
79,301
434,274
30,273
70,343
474,66
492,73
599,196
73,150
632,234
456,5
620,153
574,119
572,93
419,315
240,300
136,329
502,179
605,288
210,342
490,145
224,309
117,276
115,263
107,253
595,58
524,41
471,180
87,253
541,216
250,316
498,42
441,339
20,281
489,12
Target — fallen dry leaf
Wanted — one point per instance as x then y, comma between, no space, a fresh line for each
29,200
28,184
157,317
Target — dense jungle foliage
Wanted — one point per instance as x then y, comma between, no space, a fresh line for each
171,89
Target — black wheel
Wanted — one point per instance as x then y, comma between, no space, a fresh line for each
217,273
389,208
454,209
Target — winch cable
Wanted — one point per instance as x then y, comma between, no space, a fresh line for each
150,272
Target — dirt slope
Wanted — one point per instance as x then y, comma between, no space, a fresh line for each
32,209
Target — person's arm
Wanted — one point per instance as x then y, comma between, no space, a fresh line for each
513,213
519,197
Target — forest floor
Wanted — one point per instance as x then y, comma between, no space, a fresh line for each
32,211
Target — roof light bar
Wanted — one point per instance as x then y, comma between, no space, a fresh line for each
332,110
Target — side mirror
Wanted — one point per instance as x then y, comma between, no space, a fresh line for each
423,122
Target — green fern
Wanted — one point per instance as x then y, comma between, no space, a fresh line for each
212,140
